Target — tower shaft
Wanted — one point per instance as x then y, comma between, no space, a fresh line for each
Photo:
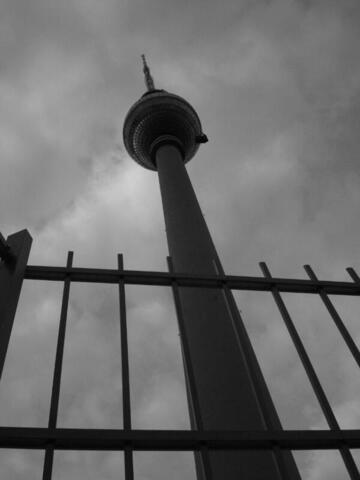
224,386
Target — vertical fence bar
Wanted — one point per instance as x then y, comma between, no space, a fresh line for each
48,463
12,270
55,393
312,376
353,274
336,317
195,412
271,419
128,453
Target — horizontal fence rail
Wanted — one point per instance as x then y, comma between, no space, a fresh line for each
175,440
234,282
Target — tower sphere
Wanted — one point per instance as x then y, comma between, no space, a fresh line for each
157,118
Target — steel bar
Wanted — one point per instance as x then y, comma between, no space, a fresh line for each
55,394
175,440
234,282
128,453
11,279
124,352
48,462
194,407
128,462
305,360
54,405
312,376
271,419
284,460
336,317
353,274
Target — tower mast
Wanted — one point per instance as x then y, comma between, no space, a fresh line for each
149,82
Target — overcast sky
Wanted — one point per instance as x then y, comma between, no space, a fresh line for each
276,85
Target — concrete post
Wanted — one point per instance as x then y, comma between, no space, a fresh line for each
11,277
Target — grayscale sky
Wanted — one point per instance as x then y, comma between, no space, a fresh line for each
276,84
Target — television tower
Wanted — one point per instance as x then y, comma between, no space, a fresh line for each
162,132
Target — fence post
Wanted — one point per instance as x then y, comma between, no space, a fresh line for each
12,270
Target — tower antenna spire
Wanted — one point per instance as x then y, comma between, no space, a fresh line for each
149,82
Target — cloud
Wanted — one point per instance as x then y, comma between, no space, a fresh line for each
276,84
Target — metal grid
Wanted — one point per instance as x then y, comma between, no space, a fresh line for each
13,269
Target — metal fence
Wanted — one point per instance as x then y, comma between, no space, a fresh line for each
14,254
